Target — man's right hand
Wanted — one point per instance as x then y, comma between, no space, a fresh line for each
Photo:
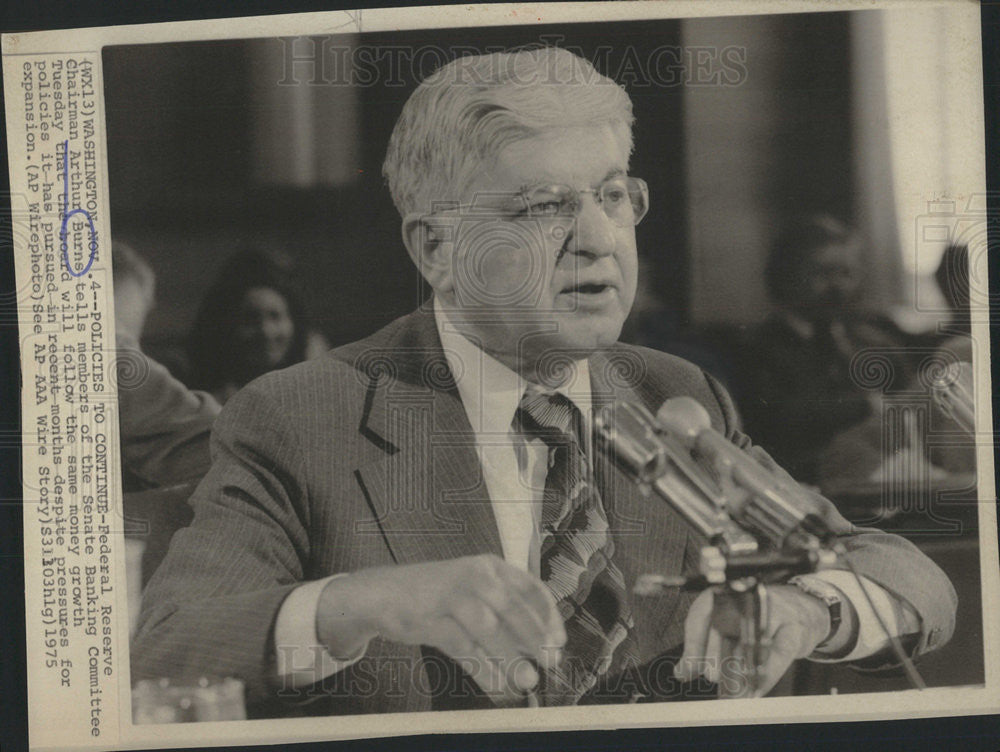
489,616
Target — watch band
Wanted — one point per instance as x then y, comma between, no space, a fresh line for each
830,595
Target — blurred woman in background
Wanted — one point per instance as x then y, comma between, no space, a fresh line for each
250,322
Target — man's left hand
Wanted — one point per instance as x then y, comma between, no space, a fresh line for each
796,623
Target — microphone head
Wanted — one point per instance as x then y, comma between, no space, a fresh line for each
684,417
952,395
629,431
957,375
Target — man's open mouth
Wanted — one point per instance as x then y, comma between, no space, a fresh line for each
589,288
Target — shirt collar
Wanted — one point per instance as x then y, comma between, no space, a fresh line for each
490,391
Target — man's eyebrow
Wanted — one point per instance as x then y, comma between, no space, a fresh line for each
527,185
614,172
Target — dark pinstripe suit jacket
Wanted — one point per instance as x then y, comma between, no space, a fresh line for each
365,458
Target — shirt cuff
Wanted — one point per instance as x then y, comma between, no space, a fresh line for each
300,659
872,638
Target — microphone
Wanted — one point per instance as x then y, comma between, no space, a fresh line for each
952,393
659,452
772,507
657,462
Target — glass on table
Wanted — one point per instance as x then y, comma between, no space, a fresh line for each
205,699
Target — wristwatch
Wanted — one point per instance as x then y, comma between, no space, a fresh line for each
829,594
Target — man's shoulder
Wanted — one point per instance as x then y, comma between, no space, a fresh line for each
643,364
655,358
350,368
305,376
658,376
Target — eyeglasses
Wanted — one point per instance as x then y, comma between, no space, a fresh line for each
625,200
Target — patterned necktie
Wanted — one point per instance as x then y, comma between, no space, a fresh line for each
576,555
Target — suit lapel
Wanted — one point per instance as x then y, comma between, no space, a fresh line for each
427,492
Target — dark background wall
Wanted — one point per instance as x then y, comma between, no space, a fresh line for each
777,145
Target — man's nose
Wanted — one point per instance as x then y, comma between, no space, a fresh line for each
592,232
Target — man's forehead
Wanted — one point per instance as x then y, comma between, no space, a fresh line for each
584,155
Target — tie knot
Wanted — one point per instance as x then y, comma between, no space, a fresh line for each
547,412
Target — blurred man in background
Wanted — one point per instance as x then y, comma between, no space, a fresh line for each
800,390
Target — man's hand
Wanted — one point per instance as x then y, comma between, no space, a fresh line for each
491,617
797,622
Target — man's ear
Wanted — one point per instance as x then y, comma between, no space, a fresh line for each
430,248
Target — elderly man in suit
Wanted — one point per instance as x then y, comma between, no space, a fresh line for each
419,520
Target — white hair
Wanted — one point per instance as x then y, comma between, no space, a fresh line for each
467,111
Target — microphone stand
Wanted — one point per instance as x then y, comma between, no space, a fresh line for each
740,580
745,599
732,561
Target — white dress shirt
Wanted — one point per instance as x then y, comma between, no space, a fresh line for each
514,467
514,471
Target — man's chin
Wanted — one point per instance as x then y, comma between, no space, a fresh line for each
588,334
